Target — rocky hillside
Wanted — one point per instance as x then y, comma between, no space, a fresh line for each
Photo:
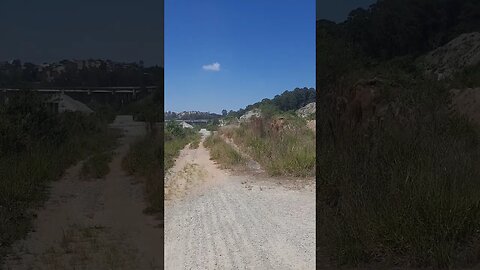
458,54
307,110
250,114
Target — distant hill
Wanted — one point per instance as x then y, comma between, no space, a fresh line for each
388,30
191,115
287,101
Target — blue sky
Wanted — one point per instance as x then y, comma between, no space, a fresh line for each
49,31
226,54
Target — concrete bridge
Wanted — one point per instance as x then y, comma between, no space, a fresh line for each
112,95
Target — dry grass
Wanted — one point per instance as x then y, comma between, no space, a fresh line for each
401,193
89,248
223,153
144,159
25,174
288,152
96,166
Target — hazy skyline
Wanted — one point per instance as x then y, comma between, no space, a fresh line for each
49,31
229,54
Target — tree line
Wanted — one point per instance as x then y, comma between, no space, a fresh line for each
67,73
390,29
287,101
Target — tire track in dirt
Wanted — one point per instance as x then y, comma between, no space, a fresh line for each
222,223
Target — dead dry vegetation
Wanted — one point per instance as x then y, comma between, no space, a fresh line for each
282,144
149,157
223,153
144,159
399,173
36,147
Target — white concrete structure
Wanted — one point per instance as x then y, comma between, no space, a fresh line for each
186,125
65,103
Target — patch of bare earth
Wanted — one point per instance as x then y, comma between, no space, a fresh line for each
223,220
94,224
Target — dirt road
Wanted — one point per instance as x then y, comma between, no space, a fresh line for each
215,219
94,223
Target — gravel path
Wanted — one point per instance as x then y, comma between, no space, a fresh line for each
94,223
227,221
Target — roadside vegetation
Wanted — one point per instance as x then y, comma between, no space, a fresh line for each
96,166
144,158
36,146
150,157
195,143
223,153
402,192
279,141
176,138
399,188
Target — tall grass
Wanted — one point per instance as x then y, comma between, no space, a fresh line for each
176,138
97,166
401,192
195,143
150,157
289,152
36,147
145,159
223,153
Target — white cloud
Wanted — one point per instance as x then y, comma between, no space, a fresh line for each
212,67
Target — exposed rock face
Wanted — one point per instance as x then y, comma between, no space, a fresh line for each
307,110
250,114
461,52
467,103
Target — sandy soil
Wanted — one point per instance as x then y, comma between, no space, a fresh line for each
94,223
215,219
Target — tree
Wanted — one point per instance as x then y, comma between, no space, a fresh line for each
224,112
